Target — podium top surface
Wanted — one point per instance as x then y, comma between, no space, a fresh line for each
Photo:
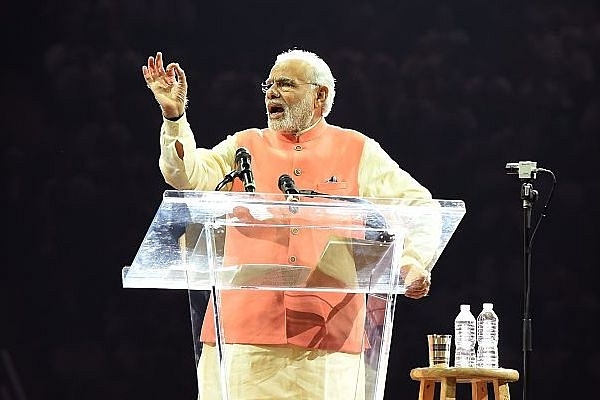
185,244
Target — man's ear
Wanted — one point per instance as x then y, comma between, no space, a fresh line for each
322,94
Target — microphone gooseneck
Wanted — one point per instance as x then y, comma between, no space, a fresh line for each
226,179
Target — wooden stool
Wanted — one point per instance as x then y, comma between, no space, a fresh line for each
477,377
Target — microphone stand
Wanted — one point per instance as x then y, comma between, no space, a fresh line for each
529,196
526,171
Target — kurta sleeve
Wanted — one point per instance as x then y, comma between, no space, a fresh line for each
200,168
381,176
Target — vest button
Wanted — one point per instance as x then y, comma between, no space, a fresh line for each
298,147
297,171
292,259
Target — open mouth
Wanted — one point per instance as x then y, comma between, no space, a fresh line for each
275,110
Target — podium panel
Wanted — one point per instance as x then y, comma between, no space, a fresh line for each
290,296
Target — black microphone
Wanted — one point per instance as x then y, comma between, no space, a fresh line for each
242,162
287,185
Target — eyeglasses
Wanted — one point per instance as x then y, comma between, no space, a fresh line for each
283,85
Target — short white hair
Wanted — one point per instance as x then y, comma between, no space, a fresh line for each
320,72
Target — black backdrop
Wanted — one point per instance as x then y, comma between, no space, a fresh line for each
452,89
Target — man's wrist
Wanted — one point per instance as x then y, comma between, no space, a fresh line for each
174,118
172,113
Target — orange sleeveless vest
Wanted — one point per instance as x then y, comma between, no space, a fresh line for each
324,159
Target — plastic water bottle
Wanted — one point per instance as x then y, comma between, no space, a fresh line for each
487,337
464,338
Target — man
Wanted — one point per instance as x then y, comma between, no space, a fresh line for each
299,345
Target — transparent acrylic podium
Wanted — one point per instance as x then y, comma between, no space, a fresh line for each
315,273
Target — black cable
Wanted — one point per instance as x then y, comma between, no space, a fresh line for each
543,213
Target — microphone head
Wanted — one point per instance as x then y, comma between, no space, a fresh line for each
242,152
286,183
525,169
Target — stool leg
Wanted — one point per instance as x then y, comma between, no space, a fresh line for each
501,391
479,390
426,389
448,389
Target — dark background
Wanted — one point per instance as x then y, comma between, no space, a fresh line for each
453,90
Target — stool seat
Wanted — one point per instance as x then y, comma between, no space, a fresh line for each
479,378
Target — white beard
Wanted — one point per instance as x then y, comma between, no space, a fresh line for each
296,117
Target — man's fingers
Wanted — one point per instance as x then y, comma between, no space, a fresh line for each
151,63
417,292
168,84
175,71
159,62
416,295
146,75
180,74
418,288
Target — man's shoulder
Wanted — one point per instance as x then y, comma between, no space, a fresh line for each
341,128
346,131
250,130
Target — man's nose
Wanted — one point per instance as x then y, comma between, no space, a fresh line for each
273,92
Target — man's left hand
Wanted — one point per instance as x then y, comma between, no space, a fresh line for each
417,281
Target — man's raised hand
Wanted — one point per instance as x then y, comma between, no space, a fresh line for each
169,85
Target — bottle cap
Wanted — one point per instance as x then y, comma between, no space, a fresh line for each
465,307
488,305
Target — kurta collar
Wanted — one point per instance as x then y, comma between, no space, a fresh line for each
308,134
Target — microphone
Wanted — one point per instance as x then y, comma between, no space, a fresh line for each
242,162
287,185
525,169
373,220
